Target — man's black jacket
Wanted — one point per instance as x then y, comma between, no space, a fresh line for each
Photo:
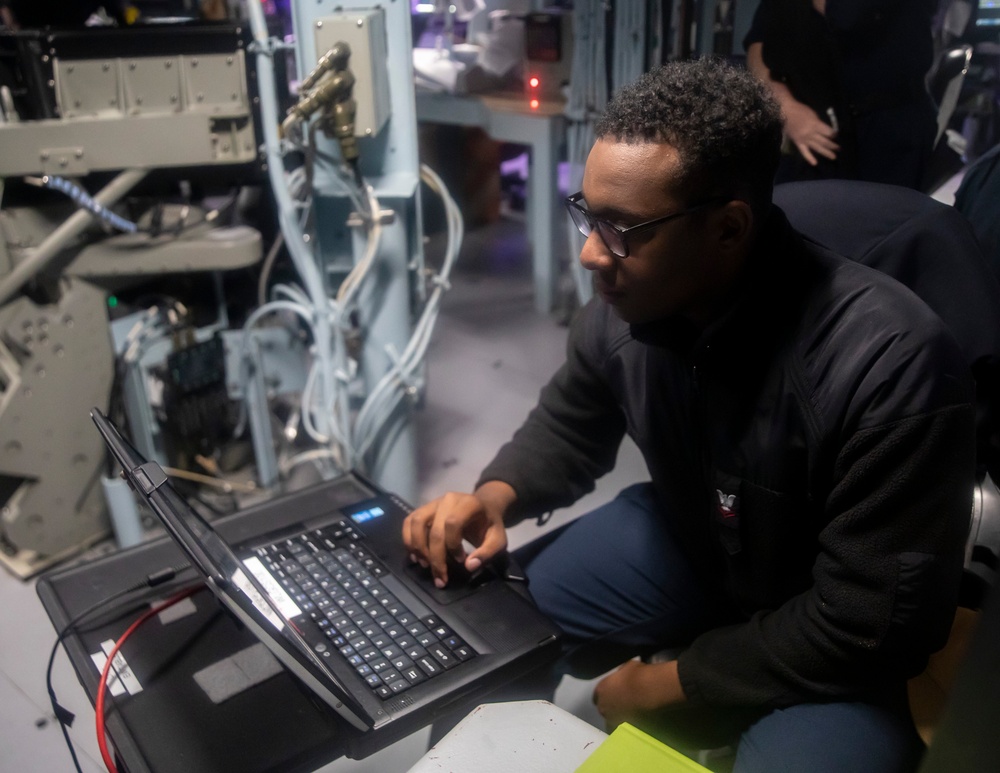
817,447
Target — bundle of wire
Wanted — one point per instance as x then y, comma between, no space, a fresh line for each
63,715
354,439
102,738
290,213
325,410
393,386
83,199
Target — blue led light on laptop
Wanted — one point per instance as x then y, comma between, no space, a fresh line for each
368,515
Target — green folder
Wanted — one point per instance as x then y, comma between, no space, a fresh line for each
629,750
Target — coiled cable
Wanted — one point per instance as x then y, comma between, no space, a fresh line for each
84,199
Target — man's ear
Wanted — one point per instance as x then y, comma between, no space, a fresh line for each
734,223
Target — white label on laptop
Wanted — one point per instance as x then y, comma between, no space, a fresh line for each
120,676
282,600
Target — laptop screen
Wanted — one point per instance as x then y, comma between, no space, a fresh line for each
222,569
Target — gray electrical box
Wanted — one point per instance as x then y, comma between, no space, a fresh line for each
141,99
364,32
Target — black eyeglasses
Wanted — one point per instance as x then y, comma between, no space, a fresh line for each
613,236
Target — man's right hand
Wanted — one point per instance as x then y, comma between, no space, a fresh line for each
434,532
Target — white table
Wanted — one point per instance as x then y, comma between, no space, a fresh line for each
522,736
510,118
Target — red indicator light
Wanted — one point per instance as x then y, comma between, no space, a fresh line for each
533,82
533,104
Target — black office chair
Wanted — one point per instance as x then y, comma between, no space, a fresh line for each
932,249
978,198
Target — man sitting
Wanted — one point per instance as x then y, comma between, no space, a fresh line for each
807,427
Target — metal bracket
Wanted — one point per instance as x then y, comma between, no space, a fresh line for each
149,476
384,217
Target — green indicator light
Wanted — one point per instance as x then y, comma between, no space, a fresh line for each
112,301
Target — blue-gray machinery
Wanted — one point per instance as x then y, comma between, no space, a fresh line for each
324,368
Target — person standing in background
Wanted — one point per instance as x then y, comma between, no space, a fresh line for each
849,76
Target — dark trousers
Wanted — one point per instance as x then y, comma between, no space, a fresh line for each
617,583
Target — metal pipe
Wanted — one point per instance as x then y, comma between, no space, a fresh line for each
335,59
69,229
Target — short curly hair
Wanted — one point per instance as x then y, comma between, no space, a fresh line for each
722,121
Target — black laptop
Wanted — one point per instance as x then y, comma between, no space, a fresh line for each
337,601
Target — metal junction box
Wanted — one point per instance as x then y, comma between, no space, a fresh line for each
364,32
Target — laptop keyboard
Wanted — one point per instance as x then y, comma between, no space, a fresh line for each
352,599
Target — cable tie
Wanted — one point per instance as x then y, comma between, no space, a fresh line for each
268,46
64,715
392,354
441,281
412,386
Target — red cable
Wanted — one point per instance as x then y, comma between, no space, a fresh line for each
102,740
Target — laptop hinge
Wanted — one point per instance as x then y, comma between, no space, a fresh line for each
149,477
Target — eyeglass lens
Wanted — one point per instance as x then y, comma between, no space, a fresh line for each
586,223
